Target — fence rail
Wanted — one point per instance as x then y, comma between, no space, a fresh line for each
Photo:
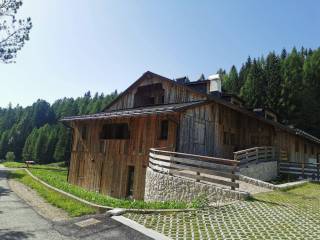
302,169
196,167
256,155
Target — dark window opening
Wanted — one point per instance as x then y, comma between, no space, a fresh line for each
115,131
152,94
164,127
84,132
312,150
130,182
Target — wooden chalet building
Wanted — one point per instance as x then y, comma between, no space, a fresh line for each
110,149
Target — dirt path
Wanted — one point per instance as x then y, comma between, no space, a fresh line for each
20,221
37,203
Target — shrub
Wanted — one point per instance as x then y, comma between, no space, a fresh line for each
10,157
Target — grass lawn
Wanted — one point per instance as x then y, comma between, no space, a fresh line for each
73,208
57,177
290,214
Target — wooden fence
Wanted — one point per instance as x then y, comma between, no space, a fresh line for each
256,155
302,169
196,167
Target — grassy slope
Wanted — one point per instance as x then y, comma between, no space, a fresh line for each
57,177
305,196
73,208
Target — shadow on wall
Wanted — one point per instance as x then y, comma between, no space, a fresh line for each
7,234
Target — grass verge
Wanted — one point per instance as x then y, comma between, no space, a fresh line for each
73,208
57,177
304,196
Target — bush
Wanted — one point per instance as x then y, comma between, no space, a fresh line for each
10,157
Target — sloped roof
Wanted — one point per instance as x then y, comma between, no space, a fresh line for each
137,112
149,75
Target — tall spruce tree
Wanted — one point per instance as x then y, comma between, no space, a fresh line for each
253,90
273,80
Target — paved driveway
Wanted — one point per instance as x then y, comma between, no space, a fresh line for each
18,221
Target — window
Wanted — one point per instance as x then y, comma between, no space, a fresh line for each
130,182
84,132
115,131
312,150
149,95
164,127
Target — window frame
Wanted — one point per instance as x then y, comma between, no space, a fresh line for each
115,131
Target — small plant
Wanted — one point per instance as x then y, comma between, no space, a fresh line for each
10,157
200,201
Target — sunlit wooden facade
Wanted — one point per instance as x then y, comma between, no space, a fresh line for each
110,149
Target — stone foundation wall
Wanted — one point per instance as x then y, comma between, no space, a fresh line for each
164,187
264,171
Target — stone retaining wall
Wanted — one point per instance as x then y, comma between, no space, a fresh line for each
264,171
164,187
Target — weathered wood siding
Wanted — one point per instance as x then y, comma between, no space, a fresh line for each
303,152
173,94
197,130
203,131
107,172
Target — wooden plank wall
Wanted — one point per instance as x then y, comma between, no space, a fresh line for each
173,94
107,172
202,132
197,129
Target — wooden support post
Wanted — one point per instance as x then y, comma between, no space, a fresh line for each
303,169
233,180
198,174
318,166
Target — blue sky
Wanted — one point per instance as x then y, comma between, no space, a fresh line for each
99,45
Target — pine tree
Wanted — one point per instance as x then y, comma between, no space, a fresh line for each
253,90
232,83
292,73
274,81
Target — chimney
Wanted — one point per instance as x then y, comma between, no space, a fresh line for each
215,83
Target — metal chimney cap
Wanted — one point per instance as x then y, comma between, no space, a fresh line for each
214,77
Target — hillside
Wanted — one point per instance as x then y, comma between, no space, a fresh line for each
34,133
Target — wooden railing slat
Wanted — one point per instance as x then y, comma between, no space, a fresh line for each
175,163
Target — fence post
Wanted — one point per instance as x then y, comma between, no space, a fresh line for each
303,169
233,180
318,173
197,179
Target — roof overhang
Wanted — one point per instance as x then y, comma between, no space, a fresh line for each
136,112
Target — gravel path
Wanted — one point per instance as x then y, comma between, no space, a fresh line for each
18,221
41,221
37,203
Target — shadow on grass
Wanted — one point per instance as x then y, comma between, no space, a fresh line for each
253,199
